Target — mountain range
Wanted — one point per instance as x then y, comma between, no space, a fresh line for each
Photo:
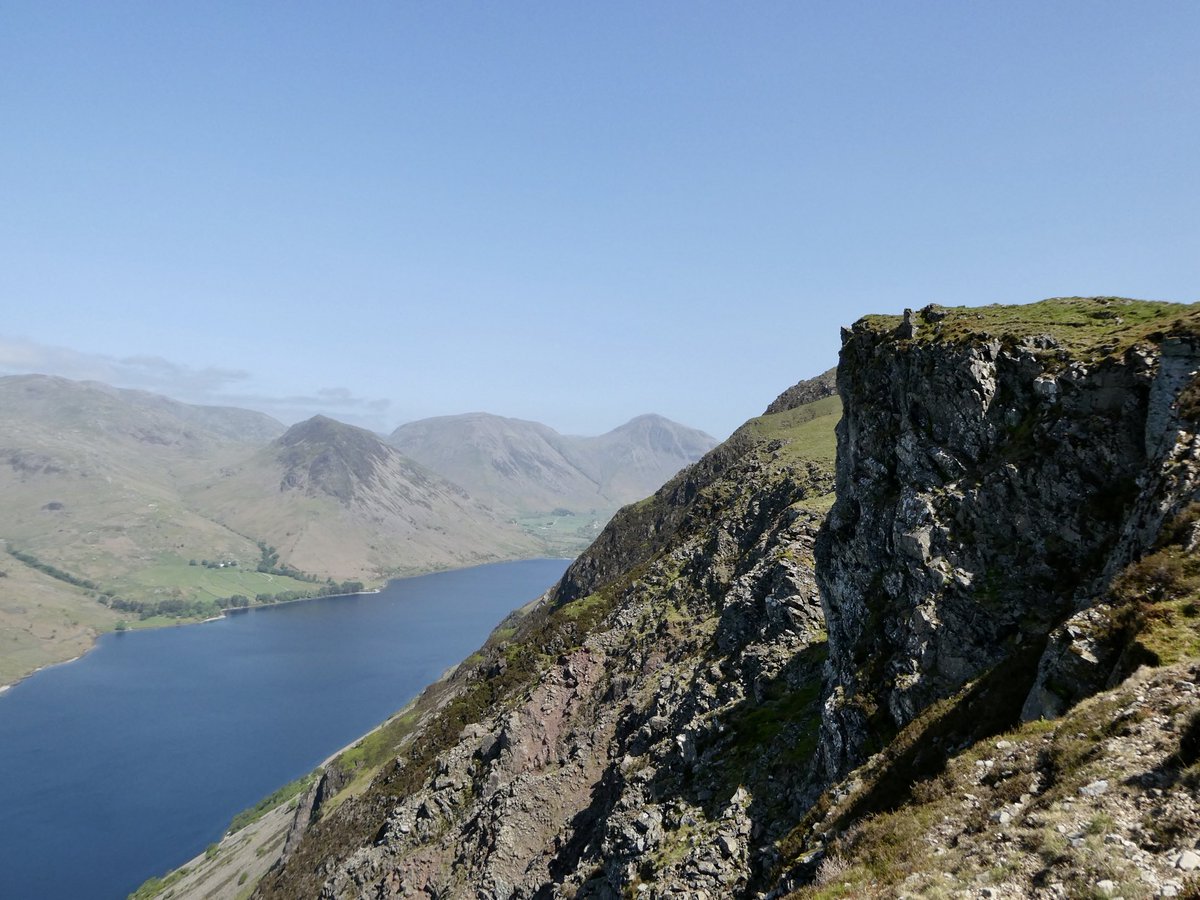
125,507
337,501
532,469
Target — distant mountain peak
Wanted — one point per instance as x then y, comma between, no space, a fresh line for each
529,467
649,418
323,455
320,428
648,421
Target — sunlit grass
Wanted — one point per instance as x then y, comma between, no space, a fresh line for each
1085,326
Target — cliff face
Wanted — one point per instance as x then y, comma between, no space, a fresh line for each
989,485
732,693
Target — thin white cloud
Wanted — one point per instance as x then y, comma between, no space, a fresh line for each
209,385
18,356
323,400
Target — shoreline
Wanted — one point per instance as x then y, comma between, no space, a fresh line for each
255,847
241,609
225,613
5,688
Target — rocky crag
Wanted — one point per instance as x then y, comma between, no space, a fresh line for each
989,486
974,675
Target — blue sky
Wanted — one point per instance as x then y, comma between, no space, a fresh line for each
568,212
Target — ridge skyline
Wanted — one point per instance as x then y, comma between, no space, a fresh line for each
234,402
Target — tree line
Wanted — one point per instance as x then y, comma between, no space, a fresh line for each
53,571
206,607
201,607
269,564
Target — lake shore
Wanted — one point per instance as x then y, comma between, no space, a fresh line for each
5,687
176,623
254,849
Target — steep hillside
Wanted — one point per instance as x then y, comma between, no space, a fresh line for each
573,700
91,479
561,488
730,694
805,392
43,405
511,463
336,501
634,459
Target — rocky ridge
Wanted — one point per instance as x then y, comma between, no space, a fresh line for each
731,694
614,709
1006,479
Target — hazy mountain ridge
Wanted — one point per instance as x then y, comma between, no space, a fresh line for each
337,501
510,462
729,696
634,459
95,410
529,468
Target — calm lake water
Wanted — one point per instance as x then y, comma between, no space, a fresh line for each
132,760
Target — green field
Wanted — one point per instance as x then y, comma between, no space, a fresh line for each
567,533
176,578
45,619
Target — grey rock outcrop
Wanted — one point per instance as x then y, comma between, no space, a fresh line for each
808,391
619,753
987,490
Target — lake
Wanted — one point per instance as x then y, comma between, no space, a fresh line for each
130,761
